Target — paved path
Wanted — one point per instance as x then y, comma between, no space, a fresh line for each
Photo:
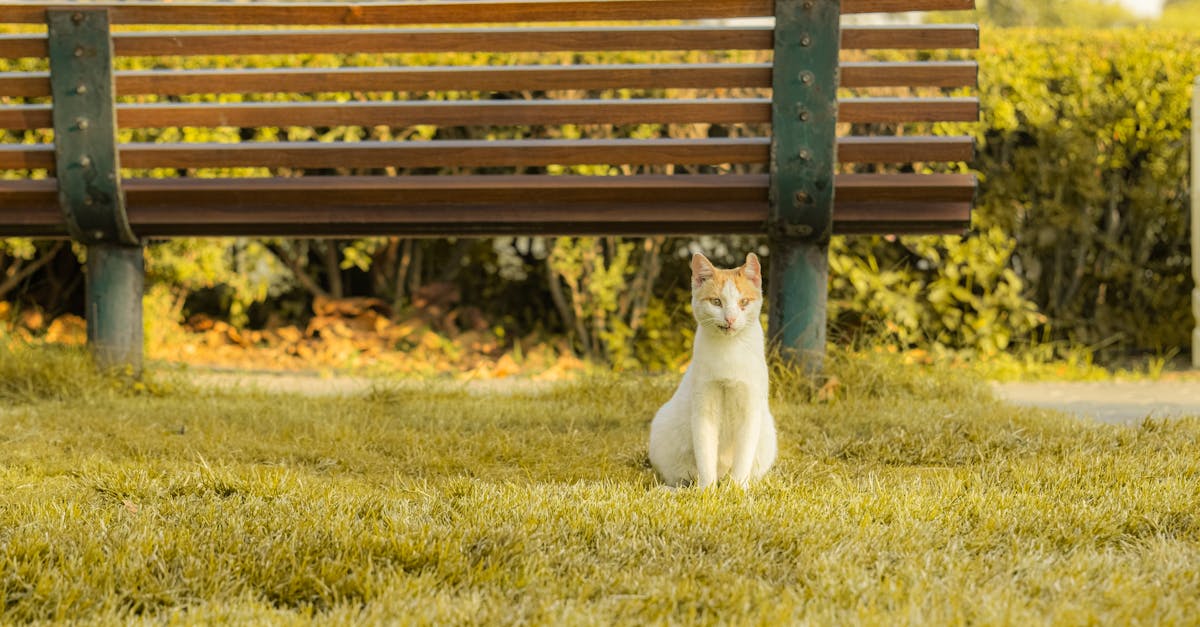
1113,402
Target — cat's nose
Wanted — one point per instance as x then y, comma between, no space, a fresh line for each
729,320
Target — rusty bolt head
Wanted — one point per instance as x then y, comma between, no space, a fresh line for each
98,234
806,78
801,198
804,154
87,200
804,115
805,41
82,123
85,161
77,17
81,89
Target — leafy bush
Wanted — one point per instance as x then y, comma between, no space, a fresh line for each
1083,156
931,291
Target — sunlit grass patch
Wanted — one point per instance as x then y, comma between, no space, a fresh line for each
902,495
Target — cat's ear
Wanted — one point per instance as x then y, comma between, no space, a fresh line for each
702,270
753,270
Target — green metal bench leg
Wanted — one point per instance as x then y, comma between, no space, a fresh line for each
799,273
89,182
803,143
115,281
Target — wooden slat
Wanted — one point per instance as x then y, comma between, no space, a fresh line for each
897,6
27,157
29,208
454,153
911,74
499,112
866,110
481,153
444,40
25,117
407,113
892,217
24,84
906,187
447,113
424,79
482,205
447,153
22,46
332,14
377,41
909,149
497,78
919,37
496,40
379,13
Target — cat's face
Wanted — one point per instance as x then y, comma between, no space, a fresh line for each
726,301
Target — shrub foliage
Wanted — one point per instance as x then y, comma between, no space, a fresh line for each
1084,156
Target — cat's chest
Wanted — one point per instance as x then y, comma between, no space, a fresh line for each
731,370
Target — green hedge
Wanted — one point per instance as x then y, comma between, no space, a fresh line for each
1083,151
1080,235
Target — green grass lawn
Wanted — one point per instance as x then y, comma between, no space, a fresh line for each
913,498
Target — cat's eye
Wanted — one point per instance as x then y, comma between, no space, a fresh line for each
716,302
744,302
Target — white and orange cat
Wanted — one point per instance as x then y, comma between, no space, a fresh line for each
718,421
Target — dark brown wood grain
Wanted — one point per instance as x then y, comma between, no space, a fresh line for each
482,205
896,6
22,46
863,110
448,153
905,149
27,157
379,13
910,74
342,13
280,42
488,204
443,78
25,117
917,37
482,153
523,152
447,113
444,40
498,112
496,78
24,84
905,187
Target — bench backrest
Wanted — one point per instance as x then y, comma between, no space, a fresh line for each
478,117
436,147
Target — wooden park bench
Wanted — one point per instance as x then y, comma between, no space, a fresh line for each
789,172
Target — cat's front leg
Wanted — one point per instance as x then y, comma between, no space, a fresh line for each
746,447
706,430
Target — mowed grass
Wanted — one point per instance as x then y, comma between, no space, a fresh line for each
913,498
